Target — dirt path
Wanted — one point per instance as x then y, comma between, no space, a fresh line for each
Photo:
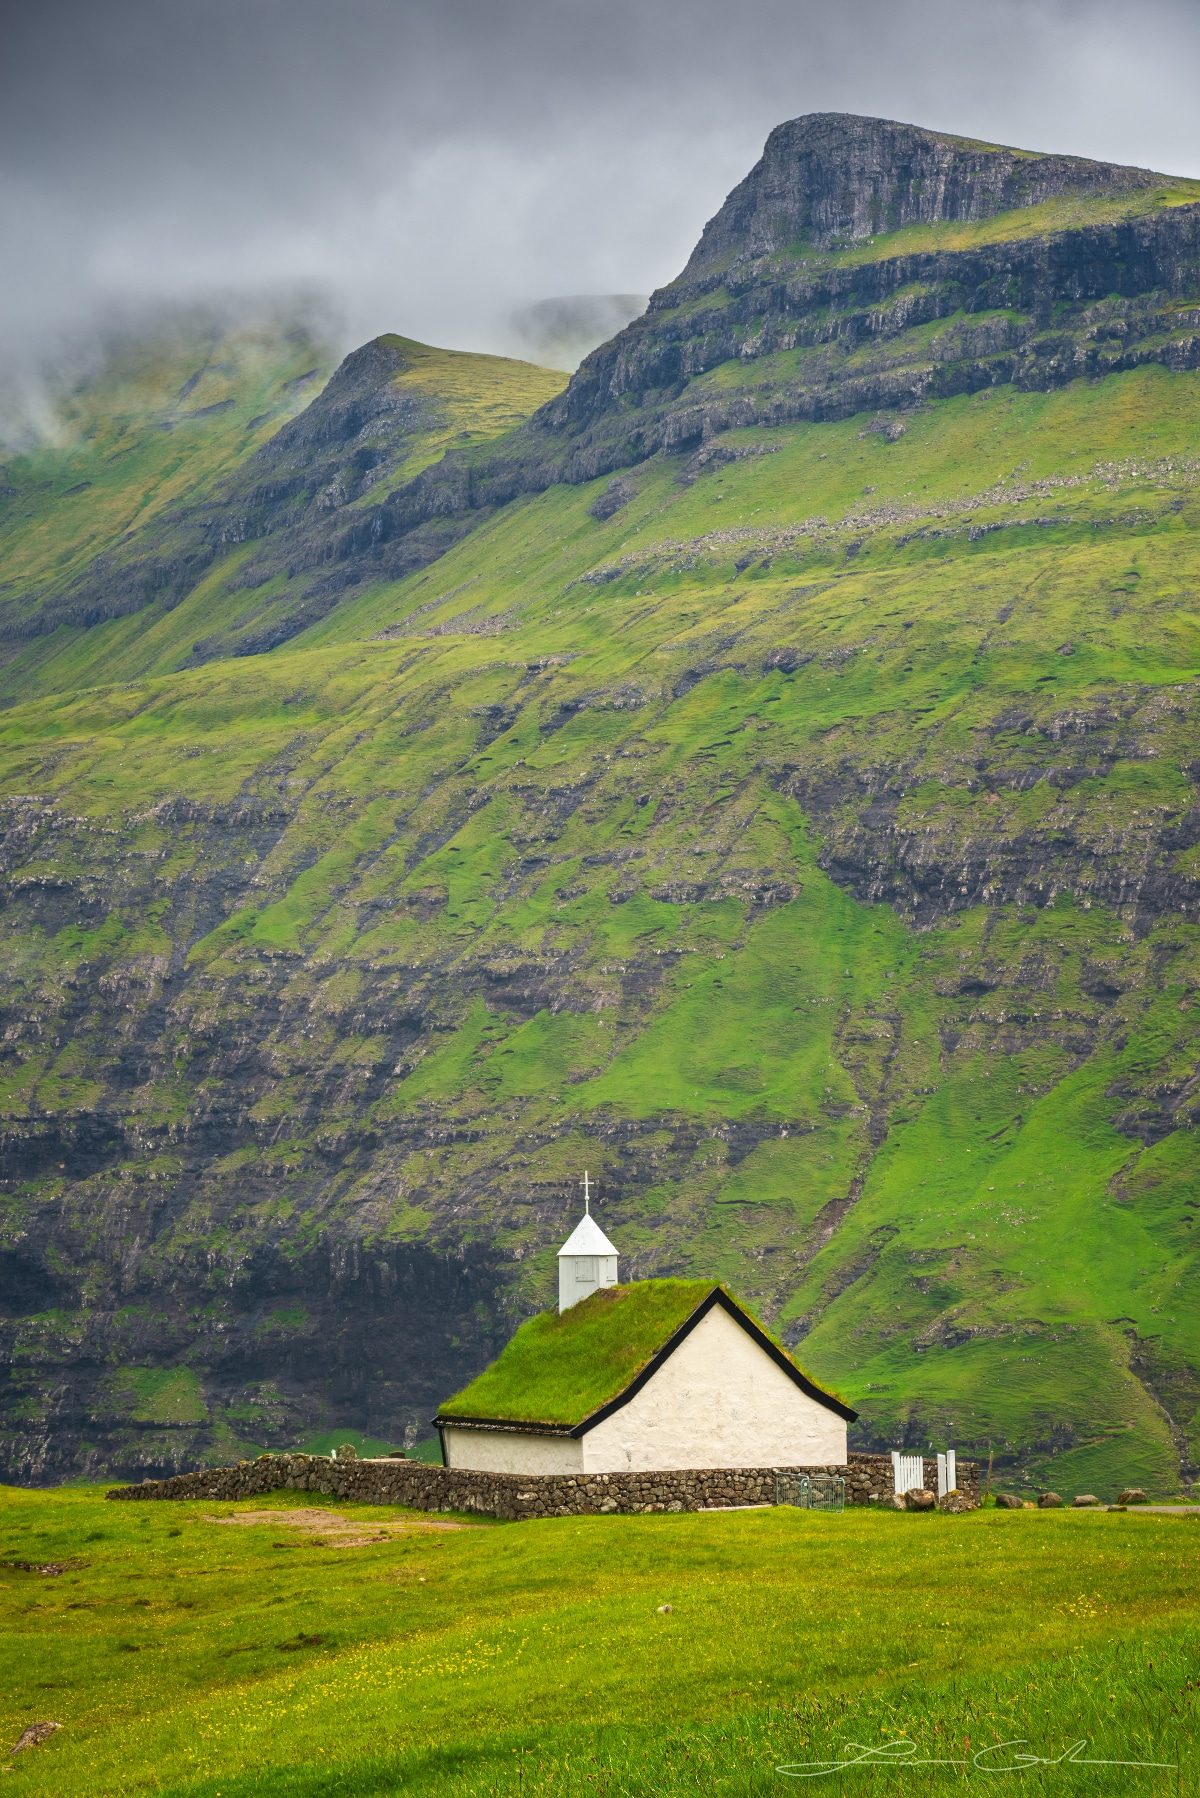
337,1531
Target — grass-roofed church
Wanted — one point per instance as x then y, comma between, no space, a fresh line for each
655,1375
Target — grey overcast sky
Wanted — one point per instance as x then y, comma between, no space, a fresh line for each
431,166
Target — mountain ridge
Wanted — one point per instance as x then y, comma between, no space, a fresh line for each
1037,312
832,176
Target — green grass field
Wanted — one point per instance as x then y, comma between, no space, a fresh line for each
185,1652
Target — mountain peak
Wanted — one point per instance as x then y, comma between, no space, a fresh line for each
833,177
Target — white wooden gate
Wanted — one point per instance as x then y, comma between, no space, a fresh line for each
947,1474
908,1471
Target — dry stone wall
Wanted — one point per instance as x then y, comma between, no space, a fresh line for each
514,1497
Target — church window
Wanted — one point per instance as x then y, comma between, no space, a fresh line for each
585,1269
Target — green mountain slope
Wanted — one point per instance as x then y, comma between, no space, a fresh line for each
168,411
202,527
798,828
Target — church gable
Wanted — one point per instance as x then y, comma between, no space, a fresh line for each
723,1396
744,1326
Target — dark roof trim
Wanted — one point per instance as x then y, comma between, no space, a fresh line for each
718,1296
513,1425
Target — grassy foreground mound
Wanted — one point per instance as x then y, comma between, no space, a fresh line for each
205,1649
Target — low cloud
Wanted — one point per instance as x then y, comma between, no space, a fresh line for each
560,331
438,170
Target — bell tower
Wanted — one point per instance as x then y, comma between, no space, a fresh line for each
587,1259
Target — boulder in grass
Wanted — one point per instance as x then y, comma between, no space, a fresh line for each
896,1502
917,1499
1085,1501
1132,1495
1006,1501
34,1735
955,1504
1049,1501
347,1452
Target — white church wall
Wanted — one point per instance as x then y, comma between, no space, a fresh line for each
718,1401
508,1451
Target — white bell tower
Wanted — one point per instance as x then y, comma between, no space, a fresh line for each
587,1258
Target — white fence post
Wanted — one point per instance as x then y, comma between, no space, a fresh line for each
947,1473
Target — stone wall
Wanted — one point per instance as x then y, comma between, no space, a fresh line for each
514,1497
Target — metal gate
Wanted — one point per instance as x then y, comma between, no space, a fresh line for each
811,1491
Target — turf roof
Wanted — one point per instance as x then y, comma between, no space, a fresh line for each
559,1369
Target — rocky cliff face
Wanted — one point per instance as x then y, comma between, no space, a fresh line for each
1036,314
822,335
831,179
